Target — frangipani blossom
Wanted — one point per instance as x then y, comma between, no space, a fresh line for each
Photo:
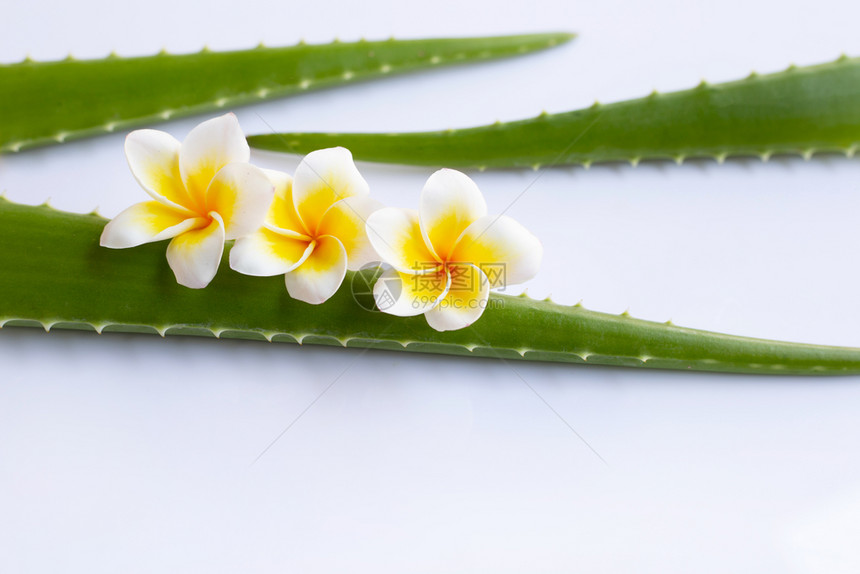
204,192
314,230
449,254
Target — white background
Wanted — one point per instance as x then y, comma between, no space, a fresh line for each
136,454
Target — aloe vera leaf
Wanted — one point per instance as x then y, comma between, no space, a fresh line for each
49,102
798,111
55,275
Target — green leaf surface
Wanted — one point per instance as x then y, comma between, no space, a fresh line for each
50,102
54,274
797,111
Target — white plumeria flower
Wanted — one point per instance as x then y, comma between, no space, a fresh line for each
204,192
449,254
314,230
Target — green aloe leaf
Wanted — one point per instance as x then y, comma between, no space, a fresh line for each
797,111
49,102
55,275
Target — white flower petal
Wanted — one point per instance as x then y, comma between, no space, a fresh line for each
407,295
282,216
396,237
153,157
322,178
265,253
347,220
280,179
505,250
195,255
241,194
450,202
321,274
465,301
147,222
209,147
